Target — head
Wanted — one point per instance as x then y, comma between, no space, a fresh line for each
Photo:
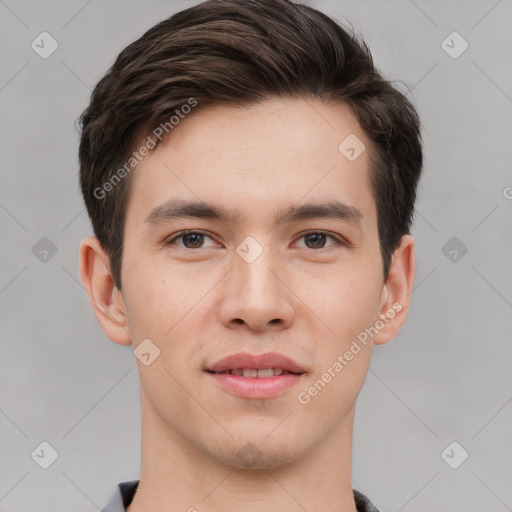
303,162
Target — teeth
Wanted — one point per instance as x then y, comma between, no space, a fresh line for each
262,374
251,372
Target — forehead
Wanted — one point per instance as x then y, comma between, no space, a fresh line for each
256,160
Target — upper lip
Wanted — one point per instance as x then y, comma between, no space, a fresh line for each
257,362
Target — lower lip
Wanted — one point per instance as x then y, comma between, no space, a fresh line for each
256,387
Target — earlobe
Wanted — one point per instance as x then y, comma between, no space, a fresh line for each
396,292
105,299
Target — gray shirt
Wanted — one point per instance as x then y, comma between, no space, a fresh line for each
125,491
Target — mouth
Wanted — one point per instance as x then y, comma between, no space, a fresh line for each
256,376
245,364
263,373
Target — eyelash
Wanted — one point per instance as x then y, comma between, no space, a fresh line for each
340,240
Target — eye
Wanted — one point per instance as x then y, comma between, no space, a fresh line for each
196,239
191,239
316,239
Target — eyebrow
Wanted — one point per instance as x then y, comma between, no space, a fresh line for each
179,208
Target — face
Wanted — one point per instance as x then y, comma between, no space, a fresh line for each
271,274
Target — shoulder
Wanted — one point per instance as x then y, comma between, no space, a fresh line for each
122,496
363,504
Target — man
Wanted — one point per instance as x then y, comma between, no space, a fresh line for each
251,180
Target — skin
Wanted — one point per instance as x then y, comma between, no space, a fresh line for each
198,303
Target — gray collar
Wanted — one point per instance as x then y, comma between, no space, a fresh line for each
125,491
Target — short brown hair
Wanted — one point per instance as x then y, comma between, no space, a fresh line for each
241,52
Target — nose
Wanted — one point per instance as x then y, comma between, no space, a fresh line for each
256,296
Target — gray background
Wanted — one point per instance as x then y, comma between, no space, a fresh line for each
445,378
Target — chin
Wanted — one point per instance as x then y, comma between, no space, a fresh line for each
257,453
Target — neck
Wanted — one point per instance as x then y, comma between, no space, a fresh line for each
177,474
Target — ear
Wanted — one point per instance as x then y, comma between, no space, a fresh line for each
396,292
106,300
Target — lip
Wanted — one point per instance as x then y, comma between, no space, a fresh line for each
258,362
256,387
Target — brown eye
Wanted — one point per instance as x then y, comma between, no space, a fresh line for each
196,240
191,240
317,240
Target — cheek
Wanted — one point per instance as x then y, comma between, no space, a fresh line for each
331,392
353,308
168,310
152,305
344,301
